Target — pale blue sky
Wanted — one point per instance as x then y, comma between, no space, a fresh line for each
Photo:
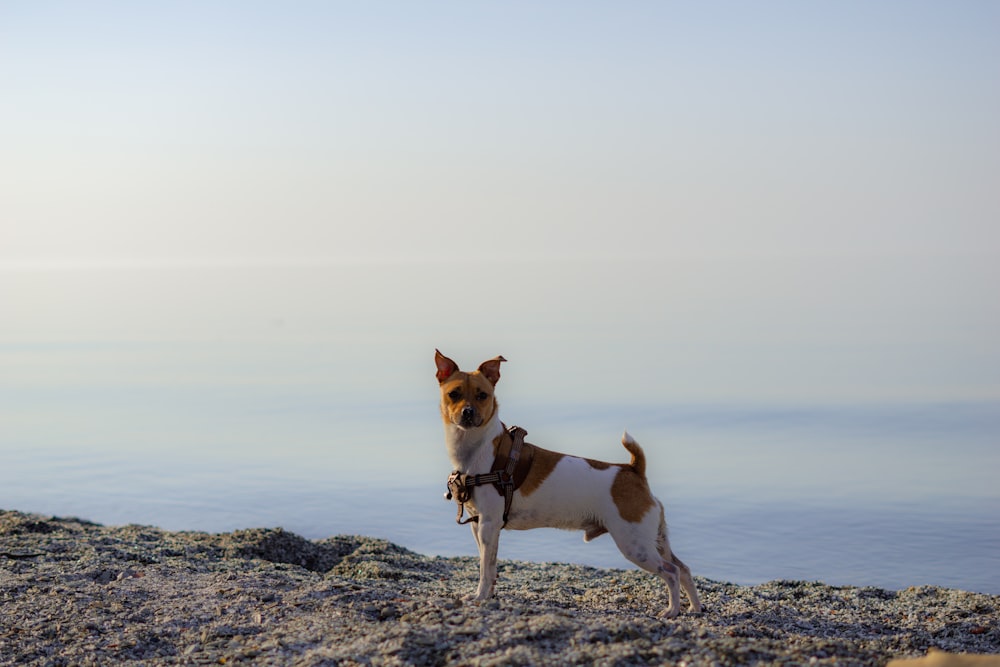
809,179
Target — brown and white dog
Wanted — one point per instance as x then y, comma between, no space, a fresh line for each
560,491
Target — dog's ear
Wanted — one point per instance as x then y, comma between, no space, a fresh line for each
491,369
445,366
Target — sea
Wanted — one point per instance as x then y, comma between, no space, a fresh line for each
219,437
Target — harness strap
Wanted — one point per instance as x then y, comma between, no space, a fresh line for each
505,475
509,483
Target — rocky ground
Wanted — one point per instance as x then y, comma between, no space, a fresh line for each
76,593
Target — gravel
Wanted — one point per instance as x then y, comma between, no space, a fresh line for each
78,593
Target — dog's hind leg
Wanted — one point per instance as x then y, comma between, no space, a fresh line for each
642,549
686,580
687,583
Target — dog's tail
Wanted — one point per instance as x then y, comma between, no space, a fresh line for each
638,462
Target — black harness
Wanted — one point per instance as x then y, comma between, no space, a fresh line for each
510,468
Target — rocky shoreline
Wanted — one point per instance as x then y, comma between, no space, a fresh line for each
77,593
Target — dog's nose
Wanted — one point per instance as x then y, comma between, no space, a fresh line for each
468,413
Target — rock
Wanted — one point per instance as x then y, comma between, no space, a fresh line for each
99,595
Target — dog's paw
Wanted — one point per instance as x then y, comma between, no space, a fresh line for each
488,603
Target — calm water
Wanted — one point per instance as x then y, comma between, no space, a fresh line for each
889,495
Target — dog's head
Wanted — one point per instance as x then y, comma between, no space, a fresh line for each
467,399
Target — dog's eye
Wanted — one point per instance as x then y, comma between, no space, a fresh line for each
454,394
482,396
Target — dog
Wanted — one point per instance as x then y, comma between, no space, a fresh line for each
559,490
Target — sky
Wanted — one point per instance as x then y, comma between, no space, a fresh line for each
731,199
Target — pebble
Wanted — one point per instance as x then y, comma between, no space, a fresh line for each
91,594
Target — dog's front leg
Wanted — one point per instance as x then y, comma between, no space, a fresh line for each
487,533
475,535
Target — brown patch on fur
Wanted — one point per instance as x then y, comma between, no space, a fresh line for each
638,462
541,467
497,442
631,494
598,465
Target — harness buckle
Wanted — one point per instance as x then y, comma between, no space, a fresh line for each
460,485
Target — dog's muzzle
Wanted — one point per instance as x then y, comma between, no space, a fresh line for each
468,416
